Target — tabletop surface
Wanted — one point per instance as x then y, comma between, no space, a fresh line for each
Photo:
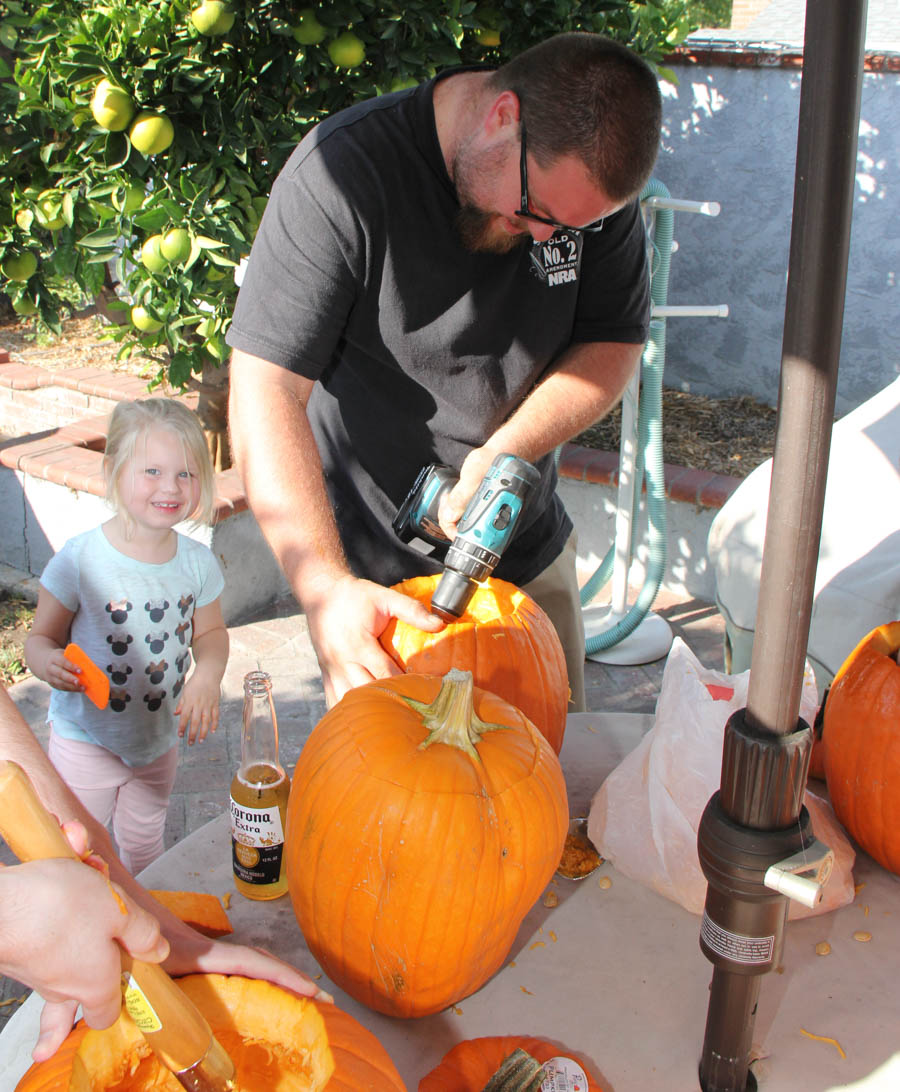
613,972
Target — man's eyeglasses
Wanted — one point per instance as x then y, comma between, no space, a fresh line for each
527,214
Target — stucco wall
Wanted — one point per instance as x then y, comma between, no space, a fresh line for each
730,135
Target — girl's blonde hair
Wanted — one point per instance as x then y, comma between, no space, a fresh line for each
131,420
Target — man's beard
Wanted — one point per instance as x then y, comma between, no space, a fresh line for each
479,232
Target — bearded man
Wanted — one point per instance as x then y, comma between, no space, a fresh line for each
442,274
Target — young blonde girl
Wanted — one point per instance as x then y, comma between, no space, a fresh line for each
140,599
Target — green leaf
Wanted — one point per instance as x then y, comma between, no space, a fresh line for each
99,239
204,242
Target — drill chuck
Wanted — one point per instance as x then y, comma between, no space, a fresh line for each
483,533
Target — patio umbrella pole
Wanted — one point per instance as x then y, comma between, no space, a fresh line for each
754,839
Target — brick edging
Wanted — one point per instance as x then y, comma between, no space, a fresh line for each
703,488
71,455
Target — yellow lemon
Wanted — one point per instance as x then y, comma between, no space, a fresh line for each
151,133
152,257
176,245
128,200
49,210
487,37
308,31
212,18
112,107
144,321
19,267
25,306
346,51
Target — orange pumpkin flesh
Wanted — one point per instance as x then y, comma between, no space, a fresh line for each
410,869
506,641
202,912
862,745
277,1042
470,1065
53,1075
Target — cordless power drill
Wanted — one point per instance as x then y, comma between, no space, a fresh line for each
482,534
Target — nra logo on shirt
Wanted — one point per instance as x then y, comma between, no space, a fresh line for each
557,260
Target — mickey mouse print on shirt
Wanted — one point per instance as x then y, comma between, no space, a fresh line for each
149,649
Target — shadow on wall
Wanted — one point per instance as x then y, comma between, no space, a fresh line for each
730,135
23,543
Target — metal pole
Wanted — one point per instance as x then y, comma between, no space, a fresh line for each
814,312
820,239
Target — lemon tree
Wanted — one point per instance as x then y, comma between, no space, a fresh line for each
142,138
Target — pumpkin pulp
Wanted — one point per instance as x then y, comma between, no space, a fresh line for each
278,1043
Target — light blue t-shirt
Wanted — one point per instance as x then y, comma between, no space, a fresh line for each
134,620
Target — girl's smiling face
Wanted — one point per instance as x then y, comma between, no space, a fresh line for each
159,485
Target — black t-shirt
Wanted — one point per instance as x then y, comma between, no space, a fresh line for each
422,348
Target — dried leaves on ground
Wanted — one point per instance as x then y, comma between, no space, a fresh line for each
723,435
15,621
81,345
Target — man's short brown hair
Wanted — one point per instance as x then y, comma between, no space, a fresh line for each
589,96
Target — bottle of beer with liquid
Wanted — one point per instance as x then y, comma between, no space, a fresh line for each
259,797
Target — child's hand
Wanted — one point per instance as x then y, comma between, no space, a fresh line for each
61,673
198,709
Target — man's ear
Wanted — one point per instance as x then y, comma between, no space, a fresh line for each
503,111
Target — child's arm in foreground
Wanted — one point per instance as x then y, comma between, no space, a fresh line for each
45,643
189,950
52,912
198,708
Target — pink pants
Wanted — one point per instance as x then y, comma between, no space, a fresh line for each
135,798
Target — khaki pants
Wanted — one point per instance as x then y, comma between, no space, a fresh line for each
556,592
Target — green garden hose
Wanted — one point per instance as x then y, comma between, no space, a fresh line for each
649,462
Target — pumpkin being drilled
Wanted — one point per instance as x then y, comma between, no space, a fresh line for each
426,817
861,735
506,641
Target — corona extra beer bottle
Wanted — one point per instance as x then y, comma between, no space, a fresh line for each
259,796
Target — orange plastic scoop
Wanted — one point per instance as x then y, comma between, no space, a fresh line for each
96,682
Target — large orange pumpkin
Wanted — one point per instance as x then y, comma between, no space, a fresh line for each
506,641
426,817
862,744
278,1042
470,1065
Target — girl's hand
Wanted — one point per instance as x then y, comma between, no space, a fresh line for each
44,645
198,709
61,673
190,952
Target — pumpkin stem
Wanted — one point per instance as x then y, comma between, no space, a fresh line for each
451,717
518,1073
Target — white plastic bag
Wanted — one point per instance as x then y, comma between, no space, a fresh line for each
644,817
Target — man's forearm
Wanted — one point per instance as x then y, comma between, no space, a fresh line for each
588,383
276,455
